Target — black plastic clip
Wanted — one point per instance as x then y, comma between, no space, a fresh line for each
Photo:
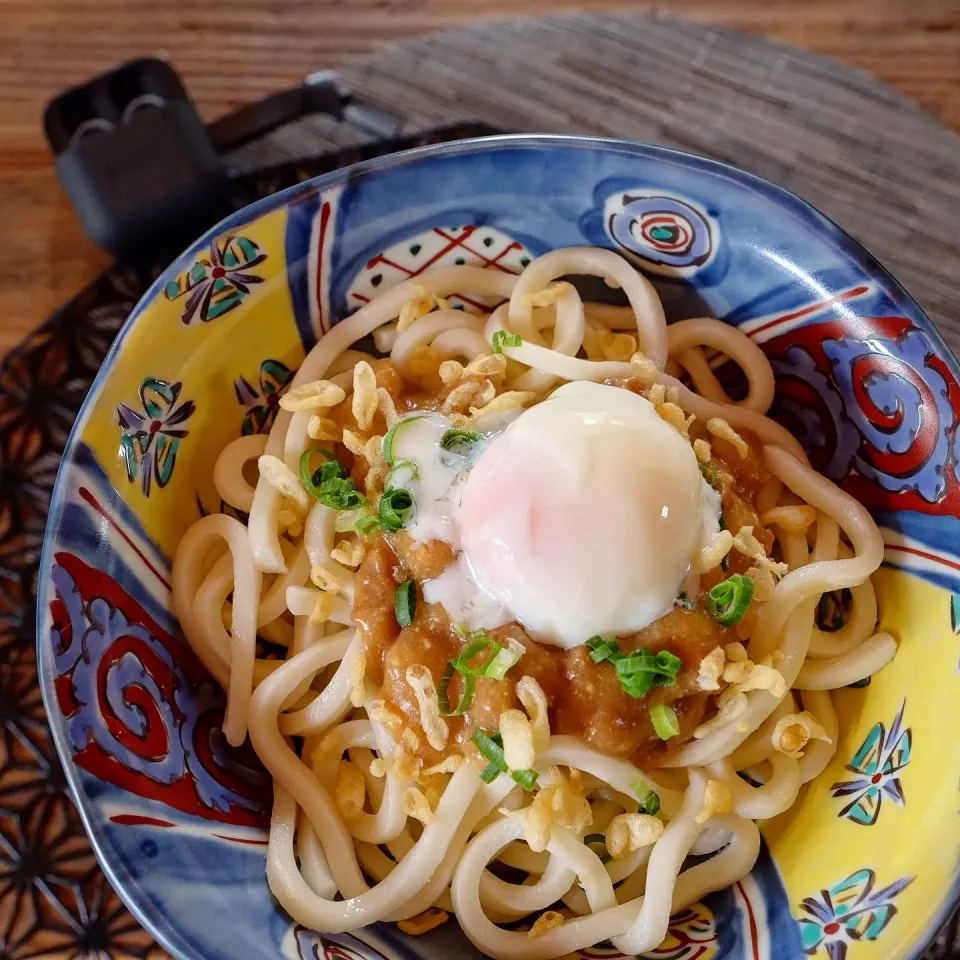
140,167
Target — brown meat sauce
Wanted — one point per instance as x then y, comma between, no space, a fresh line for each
585,698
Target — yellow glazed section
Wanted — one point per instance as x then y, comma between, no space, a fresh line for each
206,357
816,849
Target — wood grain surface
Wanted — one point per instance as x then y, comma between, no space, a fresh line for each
233,51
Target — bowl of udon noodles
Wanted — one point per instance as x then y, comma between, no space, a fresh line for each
529,547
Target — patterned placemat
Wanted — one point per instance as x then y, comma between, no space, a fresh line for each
878,164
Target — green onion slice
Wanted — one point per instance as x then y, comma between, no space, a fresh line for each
728,601
460,442
466,698
492,750
604,648
685,601
330,483
494,666
505,658
526,778
710,475
637,671
401,475
489,773
649,799
393,434
396,509
329,469
503,339
664,721
367,524
405,603
341,494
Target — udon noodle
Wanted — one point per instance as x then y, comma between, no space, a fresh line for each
380,811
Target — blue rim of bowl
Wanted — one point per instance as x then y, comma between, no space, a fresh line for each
147,913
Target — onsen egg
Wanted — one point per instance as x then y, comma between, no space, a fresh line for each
584,516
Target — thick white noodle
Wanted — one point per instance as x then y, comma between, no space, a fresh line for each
389,820
861,662
424,331
330,705
650,320
859,625
759,745
568,337
817,578
704,331
565,751
194,544
767,800
228,478
274,601
819,753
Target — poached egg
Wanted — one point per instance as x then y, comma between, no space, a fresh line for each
582,517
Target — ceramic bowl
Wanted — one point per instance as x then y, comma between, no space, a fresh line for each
864,865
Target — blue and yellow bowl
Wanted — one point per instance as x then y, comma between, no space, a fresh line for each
863,866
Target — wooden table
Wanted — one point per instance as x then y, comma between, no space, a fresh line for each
233,51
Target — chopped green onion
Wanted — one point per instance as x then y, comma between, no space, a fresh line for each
466,698
330,483
492,750
710,475
495,666
526,778
367,524
664,721
391,438
505,658
728,601
640,671
401,475
330,469
469,634
460,442
489,773
462,663
603,648
405,603
685,601
637,671
503,339
396,507
649,799
341,494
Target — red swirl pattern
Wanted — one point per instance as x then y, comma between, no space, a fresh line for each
925,440
177,707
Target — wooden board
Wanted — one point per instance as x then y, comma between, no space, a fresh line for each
231,52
